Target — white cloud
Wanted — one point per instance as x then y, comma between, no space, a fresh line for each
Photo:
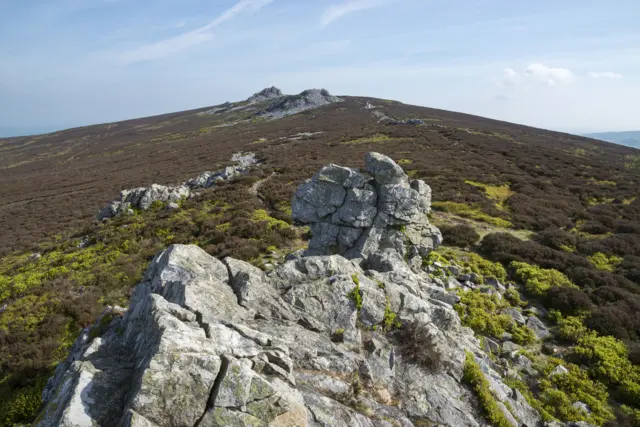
605,74
537,73
337,11
191,38
548,75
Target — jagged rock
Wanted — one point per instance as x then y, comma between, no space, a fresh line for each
356,215
265,94
510,347
293,104
490,346
538,327
143,197
515,315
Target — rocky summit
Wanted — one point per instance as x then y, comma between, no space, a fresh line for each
345,334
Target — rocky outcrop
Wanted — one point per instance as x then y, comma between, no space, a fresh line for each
378,216
143,198
211,343
294,104
318,341
265,94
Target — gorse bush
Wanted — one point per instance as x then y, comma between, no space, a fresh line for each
538,281
484,314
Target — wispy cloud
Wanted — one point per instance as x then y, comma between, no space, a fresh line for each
605,74
191,38
337,11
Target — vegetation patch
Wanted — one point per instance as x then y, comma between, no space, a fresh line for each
484,314
605,262
470,211
537,281
498,193
378,138
474,376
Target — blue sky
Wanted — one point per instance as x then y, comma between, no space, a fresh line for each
566,65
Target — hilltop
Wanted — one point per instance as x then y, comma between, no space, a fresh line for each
539,259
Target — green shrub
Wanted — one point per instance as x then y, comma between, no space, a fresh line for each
474,263
571,328
605,262
483,313
538,281
355,294
476,379
389,320
559,392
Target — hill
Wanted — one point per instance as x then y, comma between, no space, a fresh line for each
628,138
555,214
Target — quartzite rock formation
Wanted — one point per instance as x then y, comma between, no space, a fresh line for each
210,343
374,216
143,197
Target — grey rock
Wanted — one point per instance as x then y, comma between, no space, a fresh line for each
538,327
492,281
144,197
559,370
293,104
386,212
581,406
510,347
506,336
489,345
515,315
265,94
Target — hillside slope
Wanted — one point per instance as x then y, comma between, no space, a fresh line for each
558,216
55,182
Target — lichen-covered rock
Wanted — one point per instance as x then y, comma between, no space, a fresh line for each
358,215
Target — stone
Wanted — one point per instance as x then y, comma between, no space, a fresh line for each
173,205
581,406
558,370
489,345
510,347
538,327
492,281
515,314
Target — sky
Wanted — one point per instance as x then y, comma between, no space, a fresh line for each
566,65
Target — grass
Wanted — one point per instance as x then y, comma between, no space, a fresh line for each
378,138
605,262
472,212
498,193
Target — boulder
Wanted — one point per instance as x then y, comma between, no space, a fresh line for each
538,327
515,314
358,215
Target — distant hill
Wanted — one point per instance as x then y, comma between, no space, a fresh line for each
629,138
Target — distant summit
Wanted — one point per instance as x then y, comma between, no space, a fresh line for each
265,94
305,100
